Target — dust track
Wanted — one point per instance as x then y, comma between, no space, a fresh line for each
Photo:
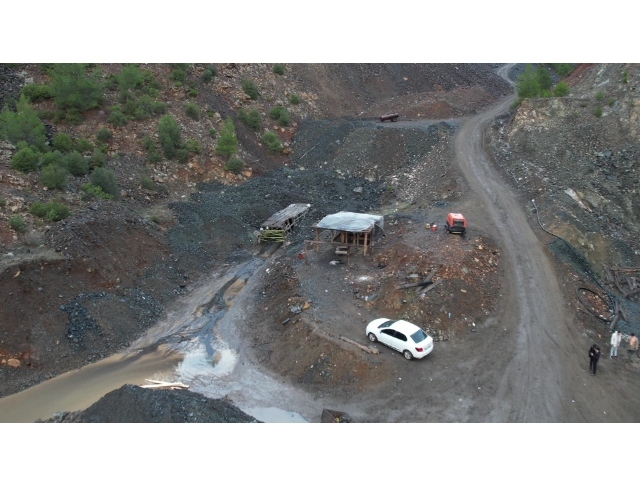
545,379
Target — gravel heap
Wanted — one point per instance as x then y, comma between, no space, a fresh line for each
133,404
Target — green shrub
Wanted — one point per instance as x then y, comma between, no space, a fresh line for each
625,74
77,164
55,157
105,179
183,66
192,111
278,69
3,202
159,108
129,78
234,165
227,141
182,155
193,146
250,88
96,191
53,176
599,95
63,142
563,69
178,76
611,102
45,114
272,142
35,93
598,112
17,224
151,85
51,212
126,96
154,157
253,119
544,79
72,116
213,133
23,124
561,89
148,143
25,160
209,73
73,86
147,183
38,209
56,212
527,83
294,99
117,118
281,115
84,145
104,135
98,159
169,136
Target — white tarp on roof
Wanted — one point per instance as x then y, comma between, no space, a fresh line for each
350,222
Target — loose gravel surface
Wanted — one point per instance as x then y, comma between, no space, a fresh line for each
132,404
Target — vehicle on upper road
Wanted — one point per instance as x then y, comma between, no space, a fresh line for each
407,338
456,223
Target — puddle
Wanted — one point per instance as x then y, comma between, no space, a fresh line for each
79,389
198,364
275,415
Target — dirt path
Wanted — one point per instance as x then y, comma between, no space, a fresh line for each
546,378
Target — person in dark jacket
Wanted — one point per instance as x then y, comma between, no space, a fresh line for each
594,355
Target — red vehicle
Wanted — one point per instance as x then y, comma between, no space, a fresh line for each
456,223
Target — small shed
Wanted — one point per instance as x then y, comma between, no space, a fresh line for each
277,227
346,230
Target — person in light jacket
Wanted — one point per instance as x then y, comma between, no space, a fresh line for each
632,348
616,338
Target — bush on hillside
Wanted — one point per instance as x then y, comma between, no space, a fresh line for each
169,136
16,223
561,89
192,111
54,176
95,191
272,142
116,117
62,142
35,93
227,141
22,125
250,88
104,135
234,165
83,145
294,99
74,86
77,164
252,119
105,179
278,69
25,160
55,157
281,115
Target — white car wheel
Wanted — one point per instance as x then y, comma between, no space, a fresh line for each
407,354
372,338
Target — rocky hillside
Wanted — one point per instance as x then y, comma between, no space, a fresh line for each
76,290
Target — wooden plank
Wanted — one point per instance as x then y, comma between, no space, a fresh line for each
362,347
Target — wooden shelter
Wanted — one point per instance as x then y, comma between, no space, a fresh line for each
346,230
276,228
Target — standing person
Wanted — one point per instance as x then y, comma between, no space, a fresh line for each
594,355
616,338
633,346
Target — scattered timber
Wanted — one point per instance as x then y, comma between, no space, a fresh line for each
158,384
362,347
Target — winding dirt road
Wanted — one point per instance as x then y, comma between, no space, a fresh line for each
526,362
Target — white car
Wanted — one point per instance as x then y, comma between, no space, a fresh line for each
402,336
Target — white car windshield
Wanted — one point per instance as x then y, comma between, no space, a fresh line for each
418,336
